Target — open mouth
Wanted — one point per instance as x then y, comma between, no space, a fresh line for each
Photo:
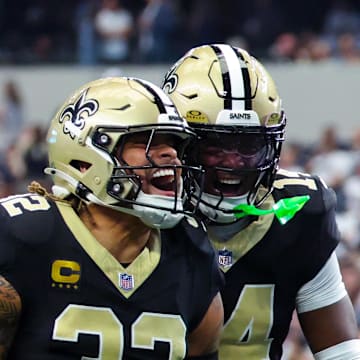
229,186
164,180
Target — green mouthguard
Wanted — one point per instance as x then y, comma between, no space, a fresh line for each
284,209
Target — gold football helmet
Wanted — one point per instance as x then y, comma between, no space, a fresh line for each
227,96
86,137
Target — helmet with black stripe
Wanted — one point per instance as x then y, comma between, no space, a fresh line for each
86,139
231,102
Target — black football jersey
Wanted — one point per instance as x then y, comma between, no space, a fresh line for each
266,264
78,302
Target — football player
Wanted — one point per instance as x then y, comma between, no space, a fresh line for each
274,231
105,266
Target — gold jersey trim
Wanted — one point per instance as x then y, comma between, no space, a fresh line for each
243,241
140,269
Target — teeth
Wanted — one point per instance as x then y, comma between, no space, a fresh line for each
230,181
163,172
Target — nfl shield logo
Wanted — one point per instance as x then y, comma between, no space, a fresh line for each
126,282
225,258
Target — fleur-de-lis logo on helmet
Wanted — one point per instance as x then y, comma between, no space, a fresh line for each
170,81
74,115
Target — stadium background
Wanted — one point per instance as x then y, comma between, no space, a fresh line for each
314,95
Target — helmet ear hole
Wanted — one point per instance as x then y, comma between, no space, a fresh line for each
82,166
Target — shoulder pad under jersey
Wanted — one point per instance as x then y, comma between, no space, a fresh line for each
28,217
290,184
195,233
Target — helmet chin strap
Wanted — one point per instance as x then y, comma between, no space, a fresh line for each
152,217
158,218
220,211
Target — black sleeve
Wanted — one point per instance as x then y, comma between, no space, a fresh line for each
320,232
26,223
8,244
312,235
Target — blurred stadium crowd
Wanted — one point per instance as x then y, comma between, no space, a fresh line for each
113,31
91,32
